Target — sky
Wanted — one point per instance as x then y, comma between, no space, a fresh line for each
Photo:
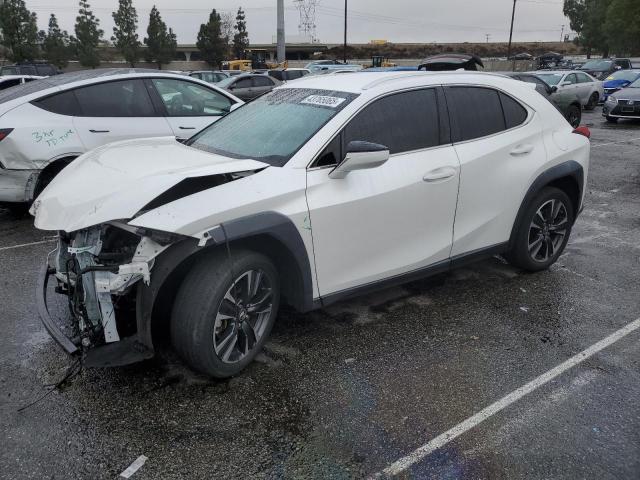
398,21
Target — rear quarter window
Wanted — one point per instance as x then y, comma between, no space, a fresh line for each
514,113
64,103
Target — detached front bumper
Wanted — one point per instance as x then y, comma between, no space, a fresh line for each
43,310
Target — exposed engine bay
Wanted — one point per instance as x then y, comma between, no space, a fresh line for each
97,269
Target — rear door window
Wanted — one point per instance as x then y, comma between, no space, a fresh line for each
27,70
475,112
64,103
262,81
583,78
45,70
403,122
243,83
123,98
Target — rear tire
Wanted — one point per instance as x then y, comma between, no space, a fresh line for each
212,333
612,119
593,101
574,115
543,231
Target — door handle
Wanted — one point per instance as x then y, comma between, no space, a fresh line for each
522,149
187,128
98,131
442,173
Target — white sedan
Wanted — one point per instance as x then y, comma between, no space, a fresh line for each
326,187
47,123
588,89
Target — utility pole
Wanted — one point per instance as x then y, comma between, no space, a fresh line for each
487,35
281,54
513,14
562,34
345,31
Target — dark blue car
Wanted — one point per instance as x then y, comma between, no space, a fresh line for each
619,80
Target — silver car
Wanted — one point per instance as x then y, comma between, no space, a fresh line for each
589,90
249,86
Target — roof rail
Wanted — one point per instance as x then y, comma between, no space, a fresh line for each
398,76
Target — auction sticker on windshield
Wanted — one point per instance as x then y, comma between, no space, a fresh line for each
323,100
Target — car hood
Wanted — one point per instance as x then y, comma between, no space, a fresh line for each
628,94
116,181
616,83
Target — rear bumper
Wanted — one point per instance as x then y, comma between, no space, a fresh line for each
17,186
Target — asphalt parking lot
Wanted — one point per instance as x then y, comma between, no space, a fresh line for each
347,391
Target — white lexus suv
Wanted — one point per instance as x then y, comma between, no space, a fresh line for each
324,188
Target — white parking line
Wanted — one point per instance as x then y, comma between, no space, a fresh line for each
27,244
420,453
134,467
615,143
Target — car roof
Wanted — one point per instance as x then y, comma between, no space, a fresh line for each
26,92
359,82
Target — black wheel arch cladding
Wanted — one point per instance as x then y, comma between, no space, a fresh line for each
270,233
567,176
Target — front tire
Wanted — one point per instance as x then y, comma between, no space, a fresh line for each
224,311
612,119
543,231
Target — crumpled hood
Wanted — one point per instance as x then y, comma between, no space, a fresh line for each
115,181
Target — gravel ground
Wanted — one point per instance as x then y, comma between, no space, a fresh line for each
343,392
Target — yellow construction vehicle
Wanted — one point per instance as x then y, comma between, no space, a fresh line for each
254,59
378,61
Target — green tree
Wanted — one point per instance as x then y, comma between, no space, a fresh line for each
88,36
586,19
19,30
125,37
622,26
55,44
241,37
210,41
161,43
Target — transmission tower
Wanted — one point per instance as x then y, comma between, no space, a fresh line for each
307,24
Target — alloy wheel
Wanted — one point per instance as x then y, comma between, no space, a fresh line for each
242,316
548,230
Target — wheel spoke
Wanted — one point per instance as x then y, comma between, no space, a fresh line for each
549,249
261,304
555,210
255,287
226,344
250,336
534,248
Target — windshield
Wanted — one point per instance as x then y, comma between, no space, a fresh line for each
551,78
624,75
273,127
635,84
598,65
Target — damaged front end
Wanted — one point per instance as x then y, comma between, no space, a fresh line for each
99,270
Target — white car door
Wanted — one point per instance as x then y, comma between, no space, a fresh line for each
498,142
189,107
116,110
586,87
389,220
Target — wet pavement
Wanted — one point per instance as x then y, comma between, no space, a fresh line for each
344,392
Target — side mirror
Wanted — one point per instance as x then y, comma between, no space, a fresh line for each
553,89
564,84
360,156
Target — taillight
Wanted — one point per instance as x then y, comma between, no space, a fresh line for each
4,132
582,130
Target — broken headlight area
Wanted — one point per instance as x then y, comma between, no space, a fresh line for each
98,269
